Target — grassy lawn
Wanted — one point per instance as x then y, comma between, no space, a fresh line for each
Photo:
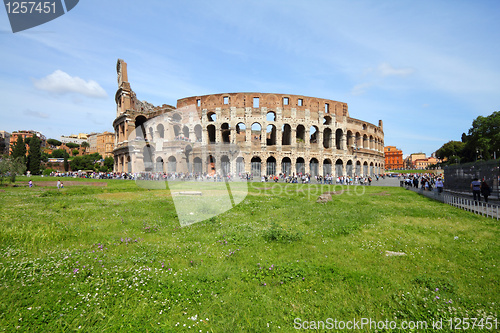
114,258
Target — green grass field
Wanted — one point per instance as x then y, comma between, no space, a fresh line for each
114,258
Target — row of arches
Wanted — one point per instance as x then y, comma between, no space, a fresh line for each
273,137
258,166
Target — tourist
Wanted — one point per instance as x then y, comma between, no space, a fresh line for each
30,183
58,184
485,190
475,186
439,185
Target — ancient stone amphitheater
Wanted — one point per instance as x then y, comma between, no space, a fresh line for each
243,133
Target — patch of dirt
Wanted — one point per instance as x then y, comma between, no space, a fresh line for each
324,198
384,193
2,190
66,183
263,188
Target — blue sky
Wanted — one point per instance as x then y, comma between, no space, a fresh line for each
426,68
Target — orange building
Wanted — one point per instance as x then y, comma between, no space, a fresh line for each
393,158
24,135
102,143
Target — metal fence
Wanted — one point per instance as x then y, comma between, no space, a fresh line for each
459,176
481,208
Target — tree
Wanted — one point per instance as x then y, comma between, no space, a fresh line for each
72,145
75,152
54,142
483,139
34,156
12,167
109,163
59,153
85,144
19,148
449,149
85,162
66,164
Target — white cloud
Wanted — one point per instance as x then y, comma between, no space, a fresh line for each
360,89
35,114
385,69
62,83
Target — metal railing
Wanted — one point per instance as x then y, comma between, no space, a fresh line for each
477,207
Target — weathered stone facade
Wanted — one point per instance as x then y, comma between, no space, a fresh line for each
274,133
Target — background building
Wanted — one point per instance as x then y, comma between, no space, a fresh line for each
274,133
24,135
409,162
74,138
393,158
4,142
105,144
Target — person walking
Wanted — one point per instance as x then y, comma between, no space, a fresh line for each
485,190
476,189
439,185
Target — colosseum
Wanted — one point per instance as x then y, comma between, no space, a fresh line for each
243,134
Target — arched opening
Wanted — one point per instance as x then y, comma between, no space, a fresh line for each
197,165
226,133
358,168
198,132
327,120
350,139
140,130
129,164
370,144
365,141
211,133
256,134
241,132
327,138
313,135
339,135
271,116
286,166
286,138
177,117
172,164
177,131
348,168
255,166
151,134
327,167
225,165
159,164
359,144
300,167
365,169
147,157
211,165
301,134
314,167
211,116
339,168
240,166
271,166
271,135
185,132
371,169
161,131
